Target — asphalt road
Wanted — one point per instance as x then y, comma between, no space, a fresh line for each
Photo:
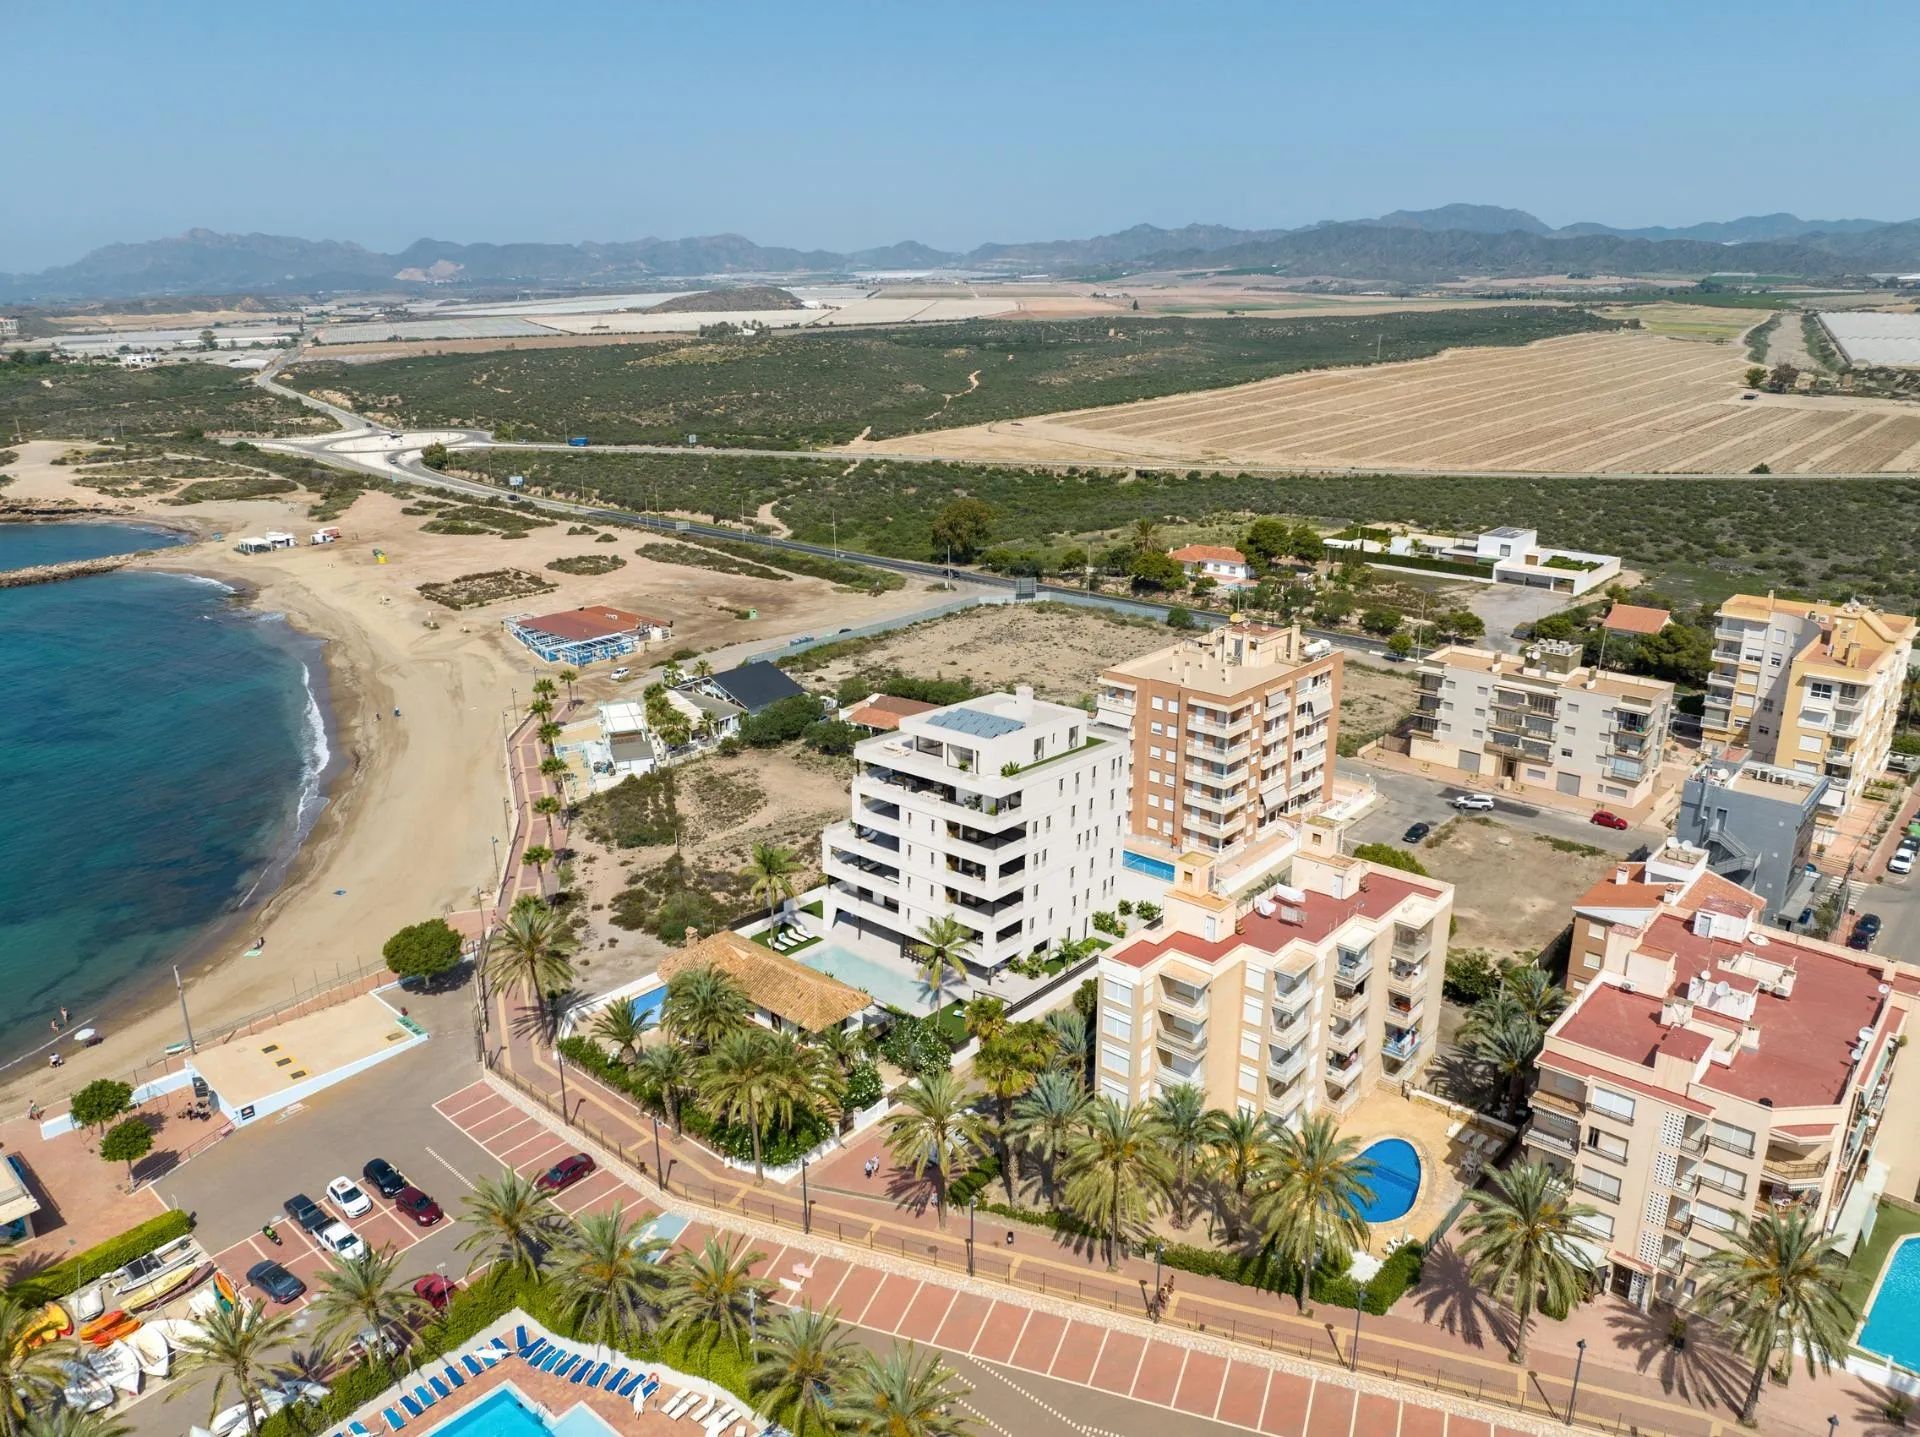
1408,798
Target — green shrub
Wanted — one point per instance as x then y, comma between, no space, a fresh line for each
864,1087
76,1272
965,1188
1387,856
637,812
782,720
423,950
1471,976
915,1046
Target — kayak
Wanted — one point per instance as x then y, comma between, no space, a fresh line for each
53,1323
109,1327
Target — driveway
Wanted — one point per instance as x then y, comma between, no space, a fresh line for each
1505,607
1407,798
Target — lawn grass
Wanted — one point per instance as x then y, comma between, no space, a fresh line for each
1863,1268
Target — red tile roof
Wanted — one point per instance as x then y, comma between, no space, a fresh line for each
573,625
1635,619
1579,1068
1806,1040
1321,915
884,711
1202,553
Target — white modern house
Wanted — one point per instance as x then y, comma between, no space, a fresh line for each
1508,555
1004,812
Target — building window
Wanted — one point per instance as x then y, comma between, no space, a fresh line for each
1113,1057
1158,703
1727,1180
1601,1185
1614,1105
1117,1025
1734,1140
1606,1145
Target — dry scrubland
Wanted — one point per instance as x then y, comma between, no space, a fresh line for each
1629,402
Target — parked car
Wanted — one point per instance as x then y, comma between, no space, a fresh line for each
1472,802
276,1282
340,1240
436,1291
385,1177
345,1194
1608,820
620,673
1416,832
1869,924
565,1173
418,1206
1901,862
305,1211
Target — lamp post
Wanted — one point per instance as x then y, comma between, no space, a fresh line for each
659,1163
806,1203
1574,1396
1159,1252
1353,1351
970,1231
1833,1425
185,1019
566,1108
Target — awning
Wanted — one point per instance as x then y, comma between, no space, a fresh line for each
1863,1200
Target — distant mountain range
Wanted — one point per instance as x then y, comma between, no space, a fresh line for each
1457,241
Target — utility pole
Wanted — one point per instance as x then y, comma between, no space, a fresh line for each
184,1018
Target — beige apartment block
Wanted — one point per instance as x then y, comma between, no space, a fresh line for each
1302,992
1676,878
1233,734
1542,720
1811,687
1710,1071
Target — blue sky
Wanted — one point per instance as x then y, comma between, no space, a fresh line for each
843,125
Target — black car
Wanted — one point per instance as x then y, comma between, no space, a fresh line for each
1417,832
1868,925
305,1211
384,1178
276,1282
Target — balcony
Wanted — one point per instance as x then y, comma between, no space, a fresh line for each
1407,977
1183,998
1401,1045
1353,967
1404,1011
1197,820
1680,1219
1290,1026
1215,776
1186,1039
1783,1168
1220,728
1341,1076
1410,945
1541,1135
1286,1064
1558,1103
1345,1037
1350,1006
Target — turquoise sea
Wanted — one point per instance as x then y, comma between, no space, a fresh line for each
162,751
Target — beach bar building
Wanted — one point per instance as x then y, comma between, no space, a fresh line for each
586,636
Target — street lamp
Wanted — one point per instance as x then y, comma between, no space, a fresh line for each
1833,1425
1353,1351
970,1231
1159,1252
806,1203
566,1108
659,1163
1574,1396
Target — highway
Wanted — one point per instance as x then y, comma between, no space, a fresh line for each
368,448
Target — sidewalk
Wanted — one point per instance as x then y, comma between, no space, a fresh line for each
1444,1335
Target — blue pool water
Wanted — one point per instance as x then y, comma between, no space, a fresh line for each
1893,1322
1153,867
1395,1179
894,986
505,1414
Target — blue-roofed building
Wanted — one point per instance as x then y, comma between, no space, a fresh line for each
1004,812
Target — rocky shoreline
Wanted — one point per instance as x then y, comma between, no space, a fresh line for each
71,569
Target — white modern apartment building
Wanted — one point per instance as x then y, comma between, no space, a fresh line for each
1302,991
1005,812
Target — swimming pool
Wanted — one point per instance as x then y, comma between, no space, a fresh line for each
505,1413
892,985
1395,1179
1153,867
1893,1318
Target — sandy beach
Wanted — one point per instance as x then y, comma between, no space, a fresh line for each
415,801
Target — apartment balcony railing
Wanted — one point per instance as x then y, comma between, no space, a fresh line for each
1285,1064
1341,1076
1403,1011
1345,1037
1221,776
1556,1103
1350,1006
1227,755
1228,728
1545,1138
1794,1169
1680,1219
1352,968
1191,1001
1398,1048
1191,1041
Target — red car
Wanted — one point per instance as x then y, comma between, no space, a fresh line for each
1608,820
436,1291
418,1206
565,1173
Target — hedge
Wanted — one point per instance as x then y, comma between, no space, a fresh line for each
1418,561
974,1180
1261,1270
73,1273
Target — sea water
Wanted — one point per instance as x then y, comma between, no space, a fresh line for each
161,755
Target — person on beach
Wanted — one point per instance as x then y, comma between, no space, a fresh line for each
64,1019
53,1024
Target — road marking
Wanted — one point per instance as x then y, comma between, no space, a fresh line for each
450,1168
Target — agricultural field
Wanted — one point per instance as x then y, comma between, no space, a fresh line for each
1693,538
89,401
1681,319
1632,402
814,388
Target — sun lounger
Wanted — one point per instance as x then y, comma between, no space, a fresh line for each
425,1398
414,1409
520,1339
648,1386
599,1377
624,1383
701,1408
538,1352
683,1404
581,1370
452,1374
394,1420
547,1360
440,1389
468,1361
358,1429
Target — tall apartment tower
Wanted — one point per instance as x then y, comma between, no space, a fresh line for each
1810,687
1285,998
1004,812
1232,732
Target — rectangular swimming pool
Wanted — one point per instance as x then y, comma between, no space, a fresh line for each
891,985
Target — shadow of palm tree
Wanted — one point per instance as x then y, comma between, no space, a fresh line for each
1450,1299
1462,1078
1871,1416
1705,1371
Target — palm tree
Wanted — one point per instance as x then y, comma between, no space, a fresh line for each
1006,1068
540,708
622,1026
1311,1204
606,1275
758,1078
702,669
984,1017
1511,1050
806,1357
361,1293
703,1005
671,674
668,1069
532,951
549,807
1536,994
1116,1174
60,1420
1183,1124
1073,1039
901,1394
714,1293
771,870
233,1348
511,1222
537,856
567,676
543,688
942,947
1146,535
553,768
1520,1244
1242,1148
550,735
935,1125
26,1373
1778,1289
1046,1118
